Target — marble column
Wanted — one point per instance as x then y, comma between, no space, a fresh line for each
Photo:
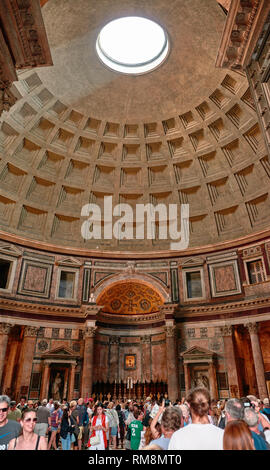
71,382
113,375
187,378
88,359
213,381
4,332
146,358
44,389
233,379
172,363
26,359
258,359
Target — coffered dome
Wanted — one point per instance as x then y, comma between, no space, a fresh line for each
185,133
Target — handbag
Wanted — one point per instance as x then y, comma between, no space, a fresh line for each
94,441
72,438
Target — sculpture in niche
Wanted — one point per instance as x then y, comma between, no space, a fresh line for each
200,380
56,387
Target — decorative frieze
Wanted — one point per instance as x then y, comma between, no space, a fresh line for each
145,339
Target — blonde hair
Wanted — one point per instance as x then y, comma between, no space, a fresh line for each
73,403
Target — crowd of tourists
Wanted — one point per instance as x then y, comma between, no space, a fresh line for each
192,423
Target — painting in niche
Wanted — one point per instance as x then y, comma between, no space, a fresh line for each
130,361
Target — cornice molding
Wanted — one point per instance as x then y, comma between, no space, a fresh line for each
242,29
119,255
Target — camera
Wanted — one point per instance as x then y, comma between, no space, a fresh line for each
167,402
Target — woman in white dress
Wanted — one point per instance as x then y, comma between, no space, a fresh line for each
98,430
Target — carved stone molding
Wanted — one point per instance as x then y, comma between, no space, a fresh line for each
226,330
30,331
168,309
253,328
5,328
90,332
243,26
145,339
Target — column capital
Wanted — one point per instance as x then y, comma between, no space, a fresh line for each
30,331
226,330
146,339
252,327
5,328
89,332
170,331
114,339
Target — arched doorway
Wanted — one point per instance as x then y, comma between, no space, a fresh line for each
130,343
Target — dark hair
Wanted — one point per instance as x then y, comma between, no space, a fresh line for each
22,398
65,413
99,405
237,436
27,410
56,405
199,401
171,419
118,407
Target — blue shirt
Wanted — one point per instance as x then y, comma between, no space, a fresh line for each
259,442
162,442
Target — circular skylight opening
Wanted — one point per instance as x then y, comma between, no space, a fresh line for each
132,45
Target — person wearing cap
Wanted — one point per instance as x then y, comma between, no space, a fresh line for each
43,419
14,412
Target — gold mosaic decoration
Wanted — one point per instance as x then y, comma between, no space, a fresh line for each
130,298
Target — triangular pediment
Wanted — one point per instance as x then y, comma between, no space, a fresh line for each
60,351
70,262
195,261
195,351
8,249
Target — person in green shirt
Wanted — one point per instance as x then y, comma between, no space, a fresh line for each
136,427
14,413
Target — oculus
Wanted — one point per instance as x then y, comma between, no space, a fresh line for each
132,45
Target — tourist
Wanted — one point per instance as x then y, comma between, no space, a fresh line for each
171,421
136,427
55,422
43,419
22,403
113,423
98,430
14,412
75,416
81,414
30,405
50,405
252,420
67,428
28,440
266,409
185,413
121,433
9,429
237,436
147,436
200,434
234,409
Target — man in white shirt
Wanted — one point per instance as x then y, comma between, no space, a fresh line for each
200,434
